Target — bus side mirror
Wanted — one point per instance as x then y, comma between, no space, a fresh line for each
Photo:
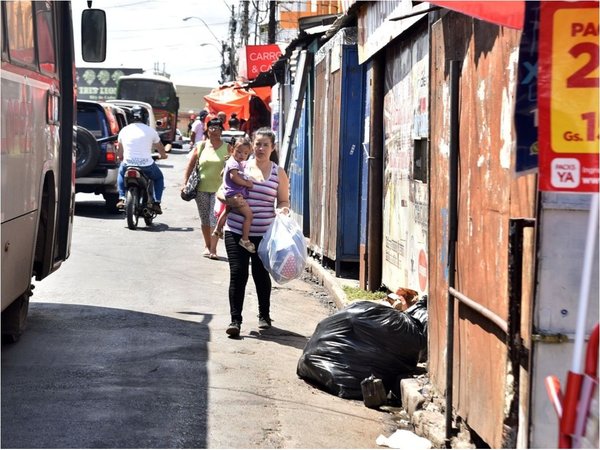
93,35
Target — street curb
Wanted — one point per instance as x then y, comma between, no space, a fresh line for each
410,392
328,281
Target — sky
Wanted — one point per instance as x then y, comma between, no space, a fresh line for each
144,32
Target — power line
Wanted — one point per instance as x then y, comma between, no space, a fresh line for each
133,30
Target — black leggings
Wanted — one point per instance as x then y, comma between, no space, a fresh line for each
238,276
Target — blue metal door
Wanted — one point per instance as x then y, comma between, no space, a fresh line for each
351,156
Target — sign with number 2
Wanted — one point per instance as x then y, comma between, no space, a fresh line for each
568,88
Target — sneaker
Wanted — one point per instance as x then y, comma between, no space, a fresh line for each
248,245
157,208
233,329
264,322
120,204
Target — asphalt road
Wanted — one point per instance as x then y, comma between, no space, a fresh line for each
126,348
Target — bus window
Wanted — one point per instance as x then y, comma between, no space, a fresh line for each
45,36
19,26
149,91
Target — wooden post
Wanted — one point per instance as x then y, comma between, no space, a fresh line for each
375,189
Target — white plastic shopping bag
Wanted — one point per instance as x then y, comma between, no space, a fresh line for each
283,249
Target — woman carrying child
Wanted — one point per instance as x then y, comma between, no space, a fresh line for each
270,190
236,186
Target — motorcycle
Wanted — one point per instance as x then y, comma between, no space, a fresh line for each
139,200
139,188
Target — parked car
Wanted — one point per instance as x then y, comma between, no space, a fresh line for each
230,136
180,140
97,164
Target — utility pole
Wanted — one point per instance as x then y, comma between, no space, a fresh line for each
223,66
244,31
255,21
232,59
272,23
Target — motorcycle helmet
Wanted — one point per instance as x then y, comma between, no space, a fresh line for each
139,114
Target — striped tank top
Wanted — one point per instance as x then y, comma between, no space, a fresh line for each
261,199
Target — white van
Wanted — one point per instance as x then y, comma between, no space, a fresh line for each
131,103
128,104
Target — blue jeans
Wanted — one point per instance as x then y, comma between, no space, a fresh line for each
152,171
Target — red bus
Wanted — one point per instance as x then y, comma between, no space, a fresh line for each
37,150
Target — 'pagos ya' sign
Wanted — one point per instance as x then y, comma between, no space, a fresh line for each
568,87
259,58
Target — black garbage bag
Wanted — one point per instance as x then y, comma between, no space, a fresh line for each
364,339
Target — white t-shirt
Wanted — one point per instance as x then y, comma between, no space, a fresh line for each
198,128
136,139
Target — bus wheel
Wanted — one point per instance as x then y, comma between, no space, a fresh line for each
87,152
14,319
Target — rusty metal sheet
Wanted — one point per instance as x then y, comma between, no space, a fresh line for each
376,30
488,198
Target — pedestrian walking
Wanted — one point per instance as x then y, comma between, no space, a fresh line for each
198,128
234,122
208,159
270,190
223,116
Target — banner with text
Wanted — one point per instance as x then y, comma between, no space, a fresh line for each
255,59
100,83
568,88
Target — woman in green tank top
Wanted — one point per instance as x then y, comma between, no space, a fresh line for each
208,159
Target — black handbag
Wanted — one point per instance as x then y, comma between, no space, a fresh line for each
190,190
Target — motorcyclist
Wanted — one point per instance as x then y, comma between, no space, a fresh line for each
136,140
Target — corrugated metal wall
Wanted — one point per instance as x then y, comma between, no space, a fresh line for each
335,199
323,198
488,196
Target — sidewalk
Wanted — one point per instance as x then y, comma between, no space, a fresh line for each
422,407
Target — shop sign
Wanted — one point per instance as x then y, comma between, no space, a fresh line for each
259,58
568,89
100,83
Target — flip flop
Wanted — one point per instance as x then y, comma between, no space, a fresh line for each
206,253
213,256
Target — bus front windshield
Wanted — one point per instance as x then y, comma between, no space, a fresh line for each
157,94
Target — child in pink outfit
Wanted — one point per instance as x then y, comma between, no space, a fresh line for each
236,190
